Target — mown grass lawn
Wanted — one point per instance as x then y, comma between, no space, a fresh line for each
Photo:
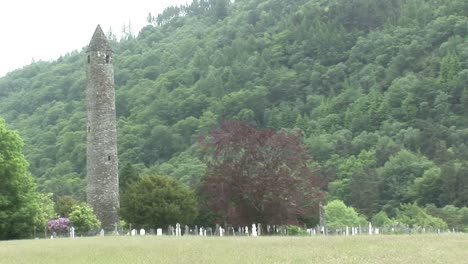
150,249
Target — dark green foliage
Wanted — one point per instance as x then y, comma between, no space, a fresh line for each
386,77
158,201
19,205
128,174
64,204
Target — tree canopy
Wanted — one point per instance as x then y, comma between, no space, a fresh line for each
258,176
158,201
19,205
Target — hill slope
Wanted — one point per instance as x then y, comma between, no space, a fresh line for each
378,87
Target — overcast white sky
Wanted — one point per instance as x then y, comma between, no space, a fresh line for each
46,29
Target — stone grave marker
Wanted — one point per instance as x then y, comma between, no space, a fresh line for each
102,232
159,232
254,230
72,232
142,232
178,230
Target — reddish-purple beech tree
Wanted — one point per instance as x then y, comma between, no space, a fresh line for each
258,176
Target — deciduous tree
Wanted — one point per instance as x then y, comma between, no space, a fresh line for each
258,175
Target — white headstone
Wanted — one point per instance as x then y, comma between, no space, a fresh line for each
142,232
254,230
221,231
377,231
178,230
133,232
370,228
159,232
247,230
102,232
347,230
201,231
72,232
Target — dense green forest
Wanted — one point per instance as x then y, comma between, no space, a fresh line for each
378,89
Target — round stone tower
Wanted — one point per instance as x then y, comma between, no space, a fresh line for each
101,154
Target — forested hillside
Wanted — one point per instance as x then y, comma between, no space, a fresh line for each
378,88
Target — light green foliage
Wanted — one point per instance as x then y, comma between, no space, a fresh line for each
381,219
338,215
46,210
186,168
19,205
157,201
83,218
414,216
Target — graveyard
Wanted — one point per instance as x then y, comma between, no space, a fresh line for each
424,248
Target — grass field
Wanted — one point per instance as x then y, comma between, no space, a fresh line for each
150,249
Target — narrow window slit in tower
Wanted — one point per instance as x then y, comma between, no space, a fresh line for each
107,58
89,59
108,157
89,129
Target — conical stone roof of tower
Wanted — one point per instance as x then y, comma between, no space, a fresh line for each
99,41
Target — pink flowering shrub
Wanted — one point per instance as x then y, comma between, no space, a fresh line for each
59,225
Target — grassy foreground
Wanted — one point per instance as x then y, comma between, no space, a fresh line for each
150,249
